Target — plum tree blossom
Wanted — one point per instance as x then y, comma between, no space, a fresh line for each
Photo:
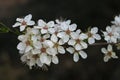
108,53
24,22
110,35
92,35
40,44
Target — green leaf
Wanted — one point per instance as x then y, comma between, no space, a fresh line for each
4,28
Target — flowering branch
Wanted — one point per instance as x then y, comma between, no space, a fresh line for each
41,43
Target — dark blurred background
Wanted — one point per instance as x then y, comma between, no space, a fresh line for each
85,13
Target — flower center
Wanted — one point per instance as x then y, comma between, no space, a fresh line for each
42,40
68,31
43,50
56,45
45,27
77,40
109,53
56,32
110,34
90,34
36,56
28,43
24,23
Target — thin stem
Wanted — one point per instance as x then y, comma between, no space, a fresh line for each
102,43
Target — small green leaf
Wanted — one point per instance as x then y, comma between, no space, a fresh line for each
3,28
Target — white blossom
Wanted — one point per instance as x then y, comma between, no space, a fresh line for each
24,22
77,41
76,53
92,35
116,21
67,29
45,27
110,35
108,53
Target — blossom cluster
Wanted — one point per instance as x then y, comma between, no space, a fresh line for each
41,42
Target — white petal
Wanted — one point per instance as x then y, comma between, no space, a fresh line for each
43,31
78,47
20,20
21,46
106,58
36,51
23,58
71,50
84,45
65,38
49,43
28,18
109,48
55,60
61,34
113,39
37,44
114,55
74,35
97,36
16,24
94,30
83,54
41,23
30,23
71,42
72,27
61,42
50,24
109,29
28,48
21,37
43,58
83,36
38,62
61,50
54,38
51,30
91,40
68,22
46,36
51,51
78,31
76,57
103,50
22,27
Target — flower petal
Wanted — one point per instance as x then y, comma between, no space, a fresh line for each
72,27
61,50
30,23
76,57
83,54
91,40
54,38
41,23
55,60
50,24
71,50
22,28
103,50
16,24
94,30
21,46
109,48
78,47
106,58
71,42
28,18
